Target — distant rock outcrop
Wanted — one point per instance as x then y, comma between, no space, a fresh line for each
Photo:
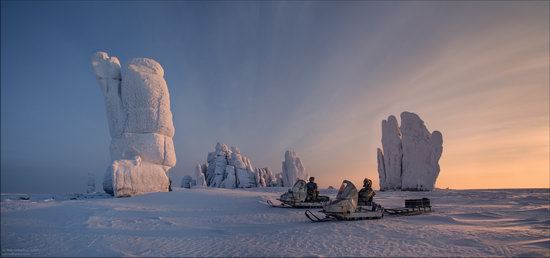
140,125
199,176
186,182
293,169
410,156
228,168
265,178
91,184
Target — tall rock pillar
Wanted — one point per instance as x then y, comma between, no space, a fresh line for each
140,125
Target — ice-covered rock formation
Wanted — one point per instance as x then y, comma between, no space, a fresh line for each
199,176
186,182
91,183
410,156
140,125
228,168
293,169
393,153
265,178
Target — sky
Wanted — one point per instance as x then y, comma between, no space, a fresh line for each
314,77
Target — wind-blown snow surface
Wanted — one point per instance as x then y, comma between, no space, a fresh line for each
223,222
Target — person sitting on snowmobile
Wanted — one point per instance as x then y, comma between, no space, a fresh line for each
366,194
312,192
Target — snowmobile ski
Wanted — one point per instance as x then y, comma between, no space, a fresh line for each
282,205
297,205
314,218
405,211
339,217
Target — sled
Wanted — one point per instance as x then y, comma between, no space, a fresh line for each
345,207
297,198
412,207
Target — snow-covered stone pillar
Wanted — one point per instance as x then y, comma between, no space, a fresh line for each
199,176
421,153
91,183
393,153
410,156
293,169
140,123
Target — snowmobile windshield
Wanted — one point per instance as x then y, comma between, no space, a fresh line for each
346,199
347,191
299,190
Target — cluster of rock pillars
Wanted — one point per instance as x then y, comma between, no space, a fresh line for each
142,150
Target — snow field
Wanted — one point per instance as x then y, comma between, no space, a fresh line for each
223,222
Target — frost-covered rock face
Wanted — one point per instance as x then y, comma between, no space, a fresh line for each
393,153
410,160
151,147
107,70
146,99
140,125
133,177
228,168
381,168
421,153
293,169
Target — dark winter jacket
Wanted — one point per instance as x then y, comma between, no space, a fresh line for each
311,186
365,196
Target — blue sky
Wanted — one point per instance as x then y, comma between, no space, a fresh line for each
315,77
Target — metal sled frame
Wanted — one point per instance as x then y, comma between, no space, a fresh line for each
407,211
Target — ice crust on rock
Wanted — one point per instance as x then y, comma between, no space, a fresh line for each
140,125
226,167
151,147
146,99
293,169
410,156
133,177
107,70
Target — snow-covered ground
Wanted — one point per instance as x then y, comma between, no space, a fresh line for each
221,222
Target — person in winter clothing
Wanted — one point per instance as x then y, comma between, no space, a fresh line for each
366,194
312,191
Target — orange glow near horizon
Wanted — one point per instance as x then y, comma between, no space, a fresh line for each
491,103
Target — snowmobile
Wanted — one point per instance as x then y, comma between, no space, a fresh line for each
297,197
345,207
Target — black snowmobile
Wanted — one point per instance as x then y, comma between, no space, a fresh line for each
345,207
297,197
